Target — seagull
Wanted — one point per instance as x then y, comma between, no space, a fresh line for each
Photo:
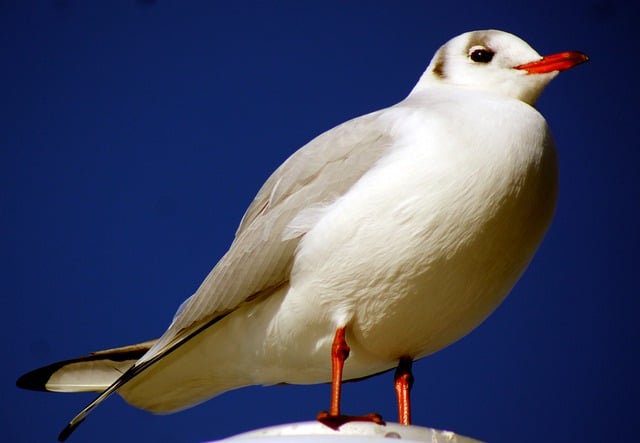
381,241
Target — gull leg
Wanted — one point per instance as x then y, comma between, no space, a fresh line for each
333,418
403,382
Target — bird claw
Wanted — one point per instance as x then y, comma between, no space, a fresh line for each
335,421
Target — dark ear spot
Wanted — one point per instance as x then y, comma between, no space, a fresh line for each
438,67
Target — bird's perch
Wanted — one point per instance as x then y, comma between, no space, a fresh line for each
354,432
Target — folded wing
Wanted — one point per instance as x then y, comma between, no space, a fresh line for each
260,258
261,255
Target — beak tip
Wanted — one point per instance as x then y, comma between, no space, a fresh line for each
580,57
555,62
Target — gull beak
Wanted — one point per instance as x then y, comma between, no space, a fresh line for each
556,62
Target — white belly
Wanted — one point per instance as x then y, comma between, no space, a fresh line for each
413,257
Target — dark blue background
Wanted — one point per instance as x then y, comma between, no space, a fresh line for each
134,134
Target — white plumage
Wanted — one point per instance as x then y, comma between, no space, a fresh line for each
408,226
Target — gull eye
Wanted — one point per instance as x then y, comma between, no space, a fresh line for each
480,54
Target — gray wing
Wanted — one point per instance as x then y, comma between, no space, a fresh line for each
260,258
261,255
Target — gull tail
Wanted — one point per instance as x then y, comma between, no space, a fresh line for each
100,372
91,373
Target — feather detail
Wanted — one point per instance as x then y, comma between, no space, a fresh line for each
91,373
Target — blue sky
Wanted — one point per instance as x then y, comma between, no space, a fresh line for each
135,133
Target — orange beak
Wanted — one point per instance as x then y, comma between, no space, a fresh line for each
556,62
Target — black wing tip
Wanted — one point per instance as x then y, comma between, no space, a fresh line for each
37,379
68,430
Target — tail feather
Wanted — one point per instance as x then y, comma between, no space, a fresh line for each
91,373
131,373
103,371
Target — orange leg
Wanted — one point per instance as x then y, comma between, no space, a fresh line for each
333,418
403,383
339,353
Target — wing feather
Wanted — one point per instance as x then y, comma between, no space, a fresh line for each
261,255
262,252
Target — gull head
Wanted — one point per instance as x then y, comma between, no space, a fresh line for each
496,61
